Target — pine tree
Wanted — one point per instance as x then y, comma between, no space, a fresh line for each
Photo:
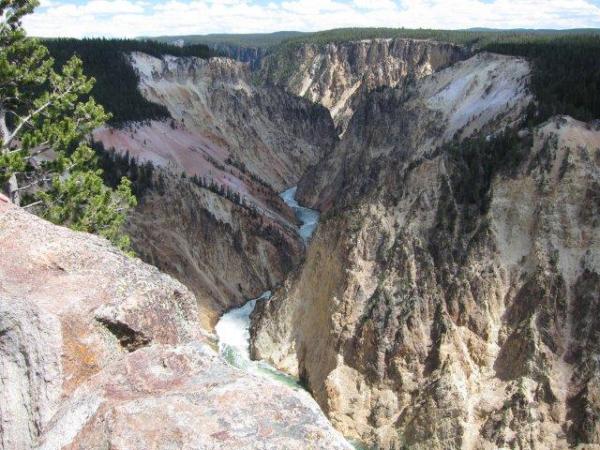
44,129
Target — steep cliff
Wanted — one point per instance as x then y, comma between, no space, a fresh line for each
99,350
340,75
253,142
250,55
275,135
224,251
479,95
450,294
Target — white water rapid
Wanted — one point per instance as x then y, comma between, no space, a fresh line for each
308,217
233,328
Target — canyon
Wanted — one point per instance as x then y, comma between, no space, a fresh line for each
442,291
340,75
233,328
253,141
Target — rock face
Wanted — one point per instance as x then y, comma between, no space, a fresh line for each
449,297
99,350
481,94
340,75
275,135
224,251
247,140
250,55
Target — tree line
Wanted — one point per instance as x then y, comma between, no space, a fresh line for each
115,166
566,72
145,178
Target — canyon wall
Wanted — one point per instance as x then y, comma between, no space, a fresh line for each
449,296
274,134
246,54
340,75
224,251
242,139
480,95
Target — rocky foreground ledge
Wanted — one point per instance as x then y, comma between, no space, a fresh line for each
99,350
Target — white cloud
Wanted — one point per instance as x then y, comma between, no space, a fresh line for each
308,7
130,18
112,7
374,4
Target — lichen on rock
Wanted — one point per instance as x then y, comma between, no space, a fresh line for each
98,350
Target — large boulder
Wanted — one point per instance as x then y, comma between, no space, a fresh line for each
100,350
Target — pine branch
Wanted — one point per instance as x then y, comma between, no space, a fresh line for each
39,202
24,121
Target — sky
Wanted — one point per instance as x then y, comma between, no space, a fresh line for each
131,18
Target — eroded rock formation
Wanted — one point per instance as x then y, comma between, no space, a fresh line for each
449,296
480,95
220,114
250,55
224,251
340,75
248,140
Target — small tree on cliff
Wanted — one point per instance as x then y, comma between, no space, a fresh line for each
44,130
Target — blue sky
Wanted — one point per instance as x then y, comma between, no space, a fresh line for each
130,18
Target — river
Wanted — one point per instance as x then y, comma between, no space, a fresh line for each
309,218
233,328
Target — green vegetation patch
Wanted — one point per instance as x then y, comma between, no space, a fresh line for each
566,72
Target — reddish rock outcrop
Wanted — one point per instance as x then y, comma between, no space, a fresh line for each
101,350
